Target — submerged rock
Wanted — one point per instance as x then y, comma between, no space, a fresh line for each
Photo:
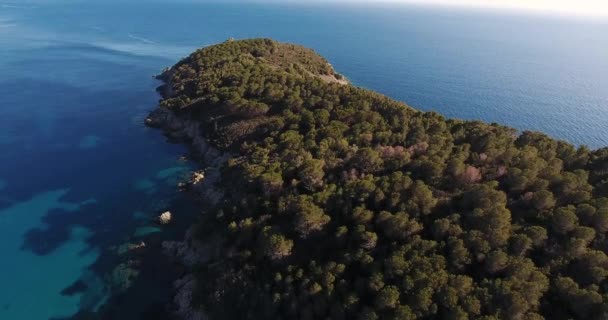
182,186
146,230
122,276
77,287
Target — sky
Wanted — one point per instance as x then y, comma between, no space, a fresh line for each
591,8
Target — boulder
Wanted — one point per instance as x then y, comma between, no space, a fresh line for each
165,218
140,245
129,247
198,177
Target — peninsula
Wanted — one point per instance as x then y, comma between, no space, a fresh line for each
323,200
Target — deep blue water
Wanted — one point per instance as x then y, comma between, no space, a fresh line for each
80,175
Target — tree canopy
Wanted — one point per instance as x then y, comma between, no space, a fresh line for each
344,204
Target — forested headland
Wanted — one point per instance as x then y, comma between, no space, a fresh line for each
341,203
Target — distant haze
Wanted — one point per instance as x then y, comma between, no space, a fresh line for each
596,8
591,8
569,7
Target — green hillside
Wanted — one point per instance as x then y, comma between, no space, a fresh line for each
342,203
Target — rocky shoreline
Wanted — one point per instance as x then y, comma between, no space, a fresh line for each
203,185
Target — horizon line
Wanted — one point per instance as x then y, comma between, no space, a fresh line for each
581,12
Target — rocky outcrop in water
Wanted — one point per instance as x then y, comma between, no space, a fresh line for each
130,247
122,276
165,218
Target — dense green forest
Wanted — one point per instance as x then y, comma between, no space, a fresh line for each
341,203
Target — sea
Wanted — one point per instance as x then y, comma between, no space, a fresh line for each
81,177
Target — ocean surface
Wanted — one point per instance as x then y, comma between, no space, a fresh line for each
81,177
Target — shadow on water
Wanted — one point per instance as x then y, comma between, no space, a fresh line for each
147,294
56,232
72,245
117,280
138,281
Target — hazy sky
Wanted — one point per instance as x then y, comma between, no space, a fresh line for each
595,8
568,7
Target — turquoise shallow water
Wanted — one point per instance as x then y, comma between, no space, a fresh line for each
32,273
80,175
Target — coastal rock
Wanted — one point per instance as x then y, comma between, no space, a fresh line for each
158,118
203,184
165,218
188,252
183,128
129,247
198,177
185,288
140,245
170,123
